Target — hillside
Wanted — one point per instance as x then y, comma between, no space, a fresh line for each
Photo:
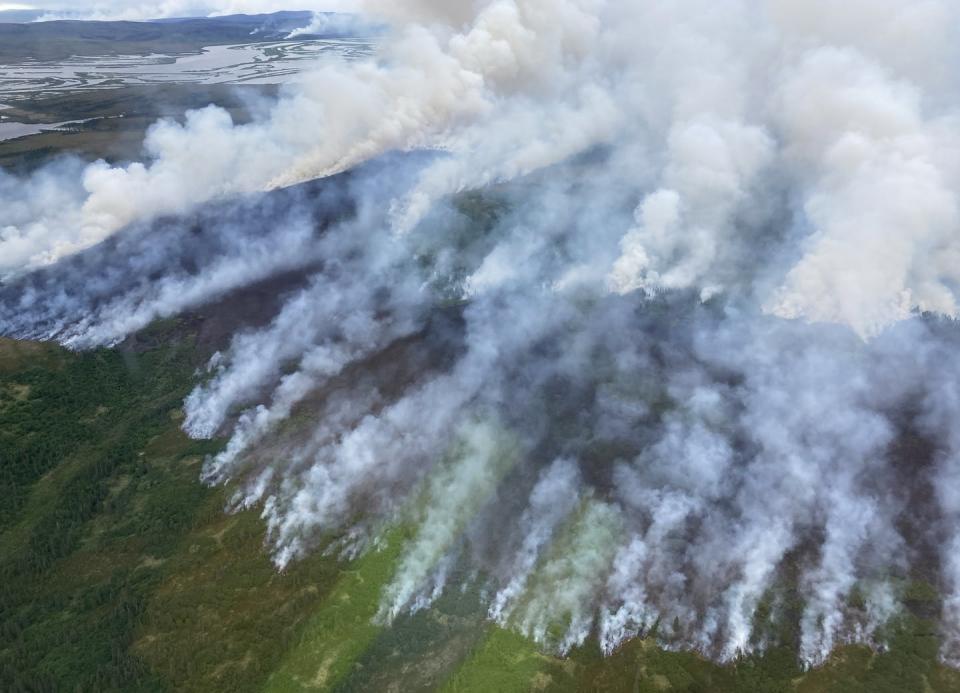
495,346
122,572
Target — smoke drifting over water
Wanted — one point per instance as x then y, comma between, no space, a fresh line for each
638,340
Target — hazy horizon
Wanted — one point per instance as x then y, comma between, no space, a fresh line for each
137,10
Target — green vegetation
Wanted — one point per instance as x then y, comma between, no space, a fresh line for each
341,629
221,617
508,662
119,571
122,117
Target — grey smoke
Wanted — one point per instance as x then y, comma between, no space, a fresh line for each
644,332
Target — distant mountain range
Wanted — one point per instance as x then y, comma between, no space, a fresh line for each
20,16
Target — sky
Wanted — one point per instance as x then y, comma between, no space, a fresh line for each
140,9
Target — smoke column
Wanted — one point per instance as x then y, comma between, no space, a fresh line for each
626,306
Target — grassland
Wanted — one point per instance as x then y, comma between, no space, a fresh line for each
120,119
119,571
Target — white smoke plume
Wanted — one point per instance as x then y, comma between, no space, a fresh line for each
337,24
455,494
551,501
697,263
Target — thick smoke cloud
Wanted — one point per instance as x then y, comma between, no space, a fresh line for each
637,346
